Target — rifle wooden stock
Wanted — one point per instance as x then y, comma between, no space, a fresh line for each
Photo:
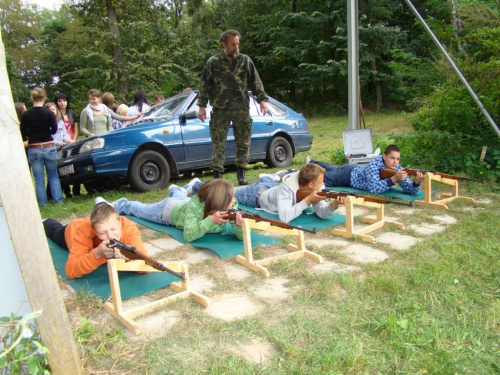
386,173
231,216
132,253
333,194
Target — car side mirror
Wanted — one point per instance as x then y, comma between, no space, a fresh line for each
188,115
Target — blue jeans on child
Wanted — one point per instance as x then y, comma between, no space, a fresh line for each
336,176
248,195
39,159
152,212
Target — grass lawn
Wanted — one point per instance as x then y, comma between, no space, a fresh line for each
431,309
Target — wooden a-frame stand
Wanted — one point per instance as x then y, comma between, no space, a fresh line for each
127,318
379,222
441,203
296,251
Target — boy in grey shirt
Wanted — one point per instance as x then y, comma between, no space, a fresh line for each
281,199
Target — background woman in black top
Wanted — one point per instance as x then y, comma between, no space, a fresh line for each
38,124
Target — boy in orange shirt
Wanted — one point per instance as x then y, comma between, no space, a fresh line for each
87,238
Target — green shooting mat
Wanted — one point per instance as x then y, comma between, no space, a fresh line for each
132,284
393,192
224,244
308,219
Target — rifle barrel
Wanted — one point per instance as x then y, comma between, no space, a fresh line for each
148,260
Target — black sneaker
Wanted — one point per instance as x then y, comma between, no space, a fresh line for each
217,174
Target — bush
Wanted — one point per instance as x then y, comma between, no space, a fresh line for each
22,351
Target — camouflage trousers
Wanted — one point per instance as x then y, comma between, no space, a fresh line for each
242,130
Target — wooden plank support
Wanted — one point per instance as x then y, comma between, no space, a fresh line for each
17,197
296,251
446,197
377,223
115,307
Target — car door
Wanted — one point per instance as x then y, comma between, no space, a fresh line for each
198,143
262,127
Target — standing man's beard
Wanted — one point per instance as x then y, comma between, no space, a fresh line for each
230,54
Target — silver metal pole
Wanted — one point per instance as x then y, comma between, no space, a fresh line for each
353,63
455,68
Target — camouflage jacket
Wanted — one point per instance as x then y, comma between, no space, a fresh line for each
225,83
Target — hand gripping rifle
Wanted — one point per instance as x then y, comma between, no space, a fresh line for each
386,173
132,253
231,216
333,194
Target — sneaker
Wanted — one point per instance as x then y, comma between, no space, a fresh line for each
99,200
308,160
284,172
189,186
274,176
173,186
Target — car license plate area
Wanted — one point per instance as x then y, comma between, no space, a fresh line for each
67,169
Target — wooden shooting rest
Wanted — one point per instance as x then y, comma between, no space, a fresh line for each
127,318
377,223
297,251
441,203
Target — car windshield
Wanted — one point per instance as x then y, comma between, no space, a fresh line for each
163,110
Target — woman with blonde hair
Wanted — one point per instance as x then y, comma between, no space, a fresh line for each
38,124
203,213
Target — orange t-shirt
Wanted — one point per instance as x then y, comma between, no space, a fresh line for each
81,239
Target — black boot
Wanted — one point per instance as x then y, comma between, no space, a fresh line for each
241,177
217,174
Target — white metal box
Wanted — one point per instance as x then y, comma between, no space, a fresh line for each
358,146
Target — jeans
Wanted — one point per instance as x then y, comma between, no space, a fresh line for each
39,159
55,231
151,212
336,176
248,195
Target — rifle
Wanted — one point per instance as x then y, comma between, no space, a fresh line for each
231,216
333,194
386,173
132,253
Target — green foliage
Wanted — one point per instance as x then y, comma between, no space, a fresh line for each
22,350
424,150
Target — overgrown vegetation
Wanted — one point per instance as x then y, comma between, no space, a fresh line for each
21,349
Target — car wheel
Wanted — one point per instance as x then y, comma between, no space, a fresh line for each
279,153
149,171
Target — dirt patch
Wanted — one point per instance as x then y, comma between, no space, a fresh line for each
405,211
232,306
152,250
364,254
426,229
236,272
200,256
484,201
322,242
166,243
397,241
273,289
201,283
356,212
256,351
156,325
445,219
335,267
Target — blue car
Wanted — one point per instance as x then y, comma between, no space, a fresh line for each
169,140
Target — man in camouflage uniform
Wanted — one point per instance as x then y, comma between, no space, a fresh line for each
225,82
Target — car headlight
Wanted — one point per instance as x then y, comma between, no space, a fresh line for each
93,144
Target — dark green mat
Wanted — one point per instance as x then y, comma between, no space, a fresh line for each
393,192
132,284
224,244
307,220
